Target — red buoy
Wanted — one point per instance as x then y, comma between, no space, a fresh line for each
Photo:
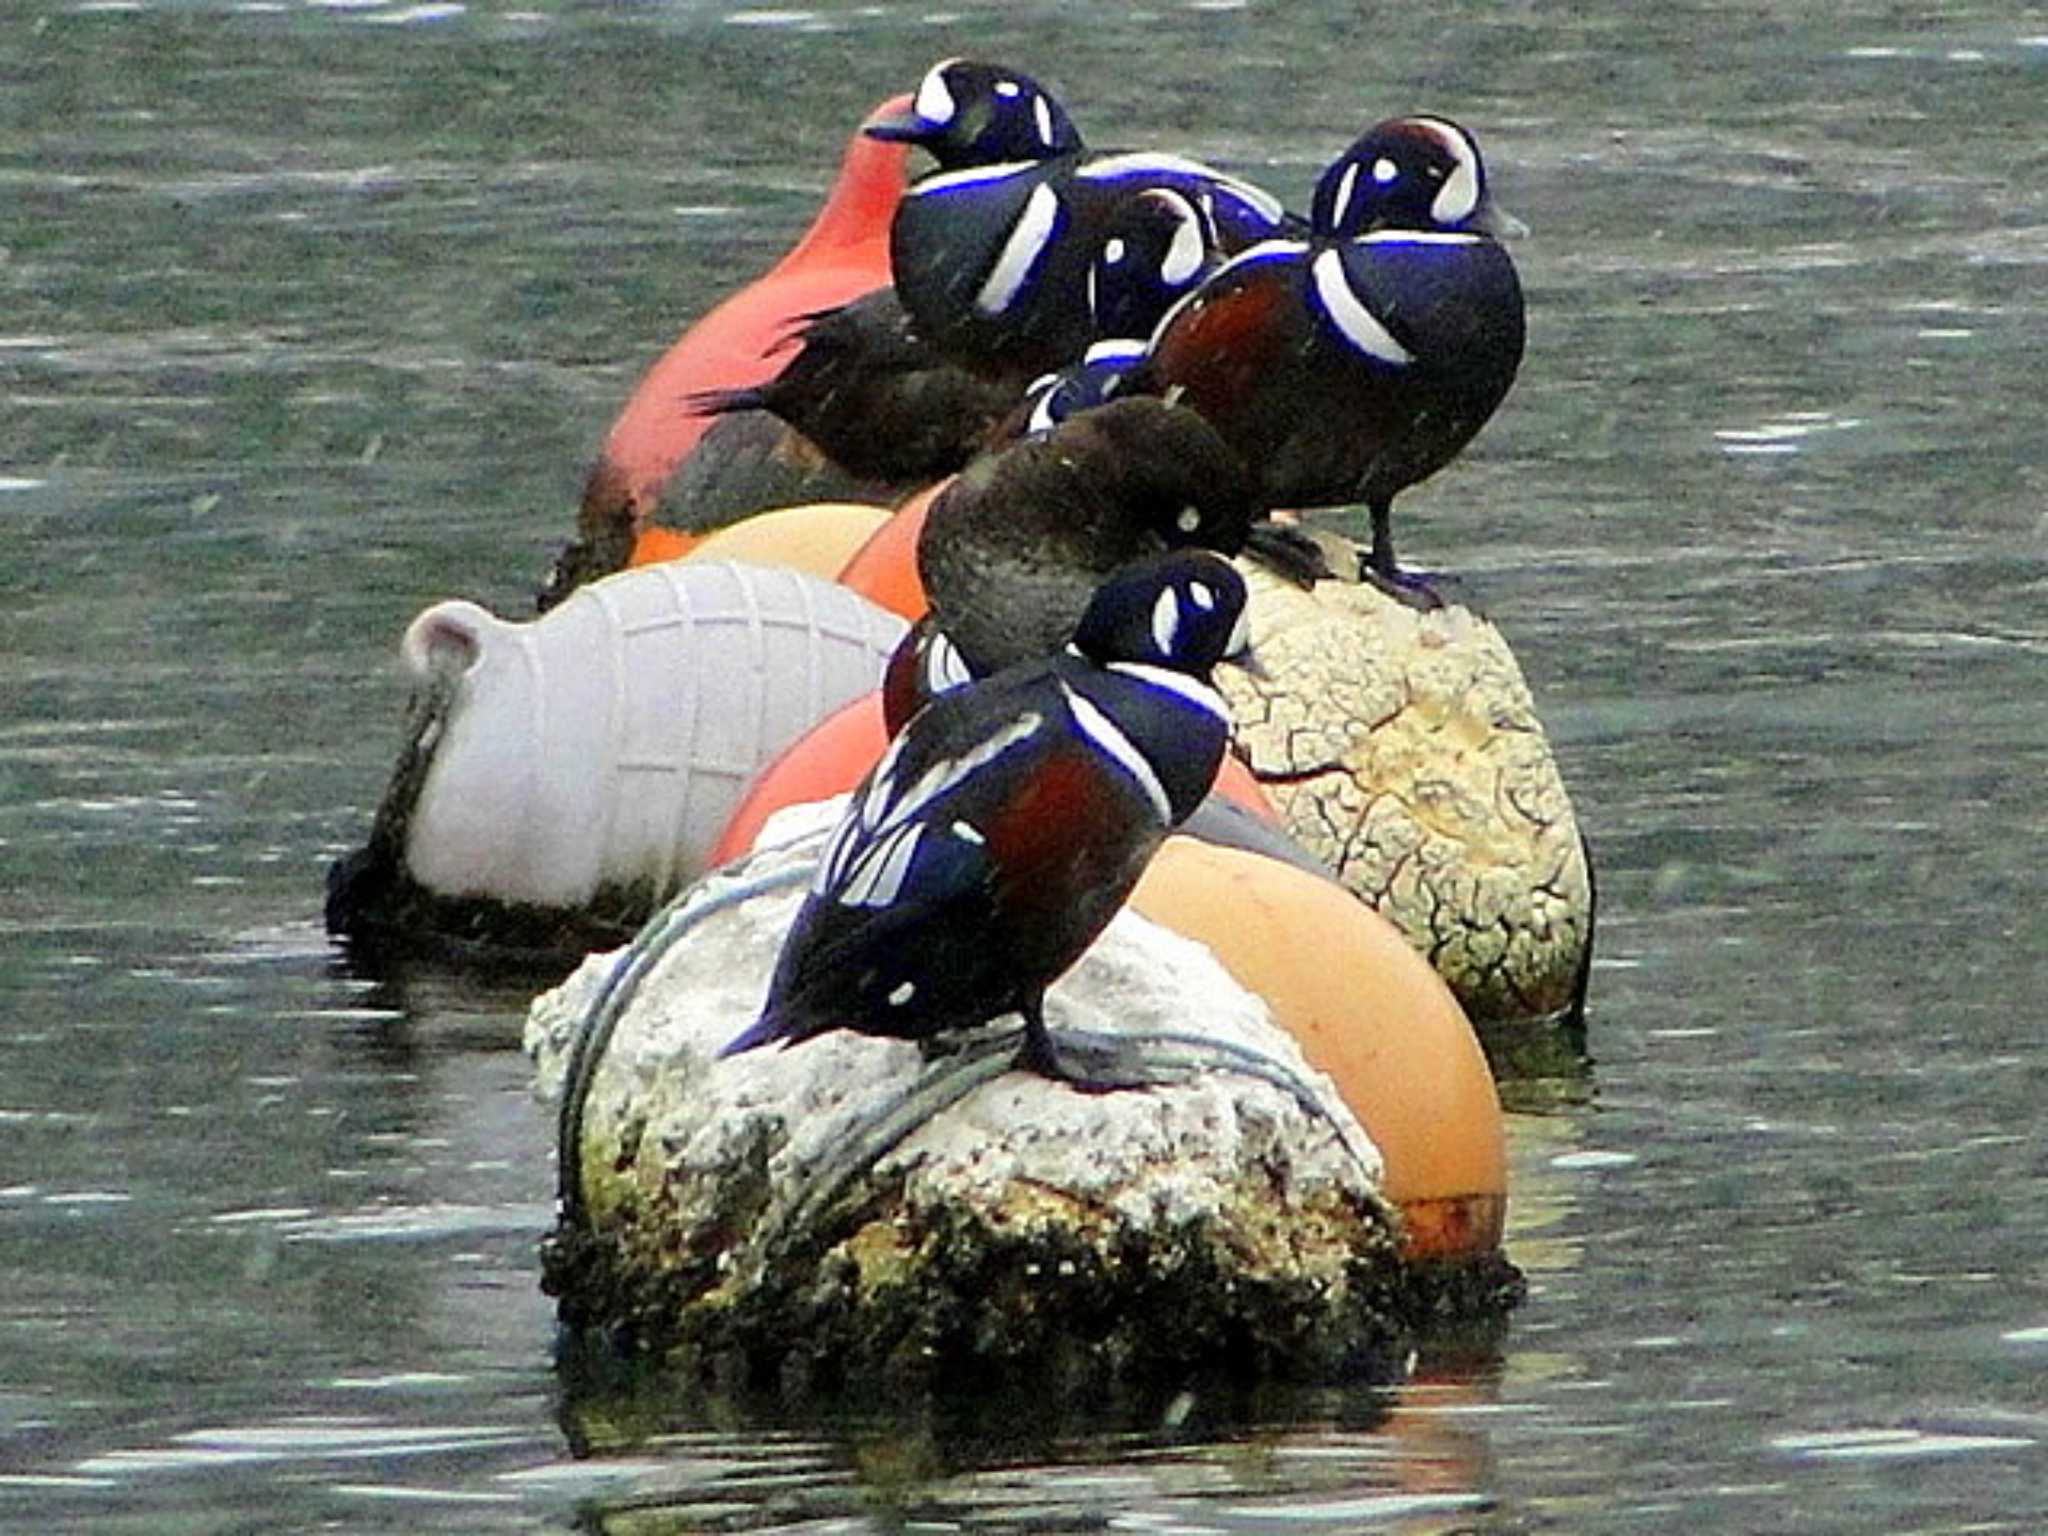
843,254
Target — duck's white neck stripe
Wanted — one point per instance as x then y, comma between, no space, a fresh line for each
1420,237
1179,684
969,176
1105,734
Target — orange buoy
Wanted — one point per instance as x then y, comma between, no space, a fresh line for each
827,760
1234,781
884,570
654,544
843,254
1368,1010
818,537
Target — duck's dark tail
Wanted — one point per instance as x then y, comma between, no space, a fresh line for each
769,1029
724,402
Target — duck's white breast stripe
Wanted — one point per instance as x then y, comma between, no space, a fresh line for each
1107,737
1117,349
1358,324
1029,237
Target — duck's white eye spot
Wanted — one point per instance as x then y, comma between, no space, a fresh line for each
1205,599
1166,621
903,994
934,101
1113,250
1008,88
967,832
1189,520
1384,170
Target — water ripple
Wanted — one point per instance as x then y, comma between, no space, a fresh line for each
306,1440
1891,1444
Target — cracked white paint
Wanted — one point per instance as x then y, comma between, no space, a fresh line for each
1404,750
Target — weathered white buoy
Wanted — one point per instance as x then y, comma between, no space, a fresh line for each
585,762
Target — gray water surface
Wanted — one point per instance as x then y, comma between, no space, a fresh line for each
314,314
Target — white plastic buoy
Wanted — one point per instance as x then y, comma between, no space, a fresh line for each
601,748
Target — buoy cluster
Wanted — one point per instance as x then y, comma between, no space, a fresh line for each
1113,377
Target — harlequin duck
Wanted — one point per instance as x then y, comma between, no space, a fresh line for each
867,391
1023,247
1080,386
1012,550
1349,365
1005,826
886,406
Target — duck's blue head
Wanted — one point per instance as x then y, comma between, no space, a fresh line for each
968,113
1184,610
1409,173
1081,386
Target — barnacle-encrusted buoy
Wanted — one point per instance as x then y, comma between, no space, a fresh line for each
851,1207
1403,748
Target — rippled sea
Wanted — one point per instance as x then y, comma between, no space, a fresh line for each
311,314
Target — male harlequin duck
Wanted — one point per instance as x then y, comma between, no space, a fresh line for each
1023,251
1012,550
1022,247
1349,365
1080,386
1006,825
885,405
